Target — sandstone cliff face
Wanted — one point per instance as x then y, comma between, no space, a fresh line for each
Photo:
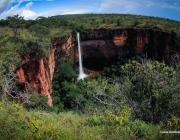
99,47
62,46
104,44
34,76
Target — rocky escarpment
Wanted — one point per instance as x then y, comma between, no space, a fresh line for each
34,76
100,46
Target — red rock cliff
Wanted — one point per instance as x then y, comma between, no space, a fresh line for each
107,43
34,76
98,46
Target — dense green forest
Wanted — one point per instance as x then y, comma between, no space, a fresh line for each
134,98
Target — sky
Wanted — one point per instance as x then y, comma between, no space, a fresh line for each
31,9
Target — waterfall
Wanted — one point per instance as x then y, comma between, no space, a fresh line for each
82,75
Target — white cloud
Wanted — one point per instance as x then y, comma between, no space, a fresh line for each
170,6
61,12
24,11
4,5
29,14
107,6
150,3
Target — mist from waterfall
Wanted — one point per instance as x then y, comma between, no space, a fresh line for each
82,75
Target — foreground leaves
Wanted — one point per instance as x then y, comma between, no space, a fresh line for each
16,123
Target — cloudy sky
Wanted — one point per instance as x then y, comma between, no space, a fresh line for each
31,9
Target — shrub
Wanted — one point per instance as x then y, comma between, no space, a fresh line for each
154,90
13,122
120,117
144,131
93,121
66,72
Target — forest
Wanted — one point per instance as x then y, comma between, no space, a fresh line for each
131,98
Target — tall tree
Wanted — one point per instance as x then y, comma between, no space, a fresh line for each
15,23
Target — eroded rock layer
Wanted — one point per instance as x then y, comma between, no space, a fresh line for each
101,45
35,75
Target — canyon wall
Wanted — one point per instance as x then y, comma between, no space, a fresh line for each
36,75
99,46
104,44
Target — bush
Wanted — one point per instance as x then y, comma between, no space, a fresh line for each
144,131
153,90
121,116
37,102
66,72
93,121
13,121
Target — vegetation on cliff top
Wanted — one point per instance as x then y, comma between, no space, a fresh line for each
36,35
65,24
20,37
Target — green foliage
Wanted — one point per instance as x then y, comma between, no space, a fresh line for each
38,49
7,59
12,121
115,69
39,30
93,121
8,54
72,95
65,91
144,131
153,87
147,90
65,24
104,95
136,23
36,102
15,23
18,123
120,117
173,123
66,72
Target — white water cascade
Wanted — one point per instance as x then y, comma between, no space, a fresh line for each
82,75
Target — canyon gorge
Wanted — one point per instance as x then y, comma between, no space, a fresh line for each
100,47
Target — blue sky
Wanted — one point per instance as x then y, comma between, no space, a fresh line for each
31,9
